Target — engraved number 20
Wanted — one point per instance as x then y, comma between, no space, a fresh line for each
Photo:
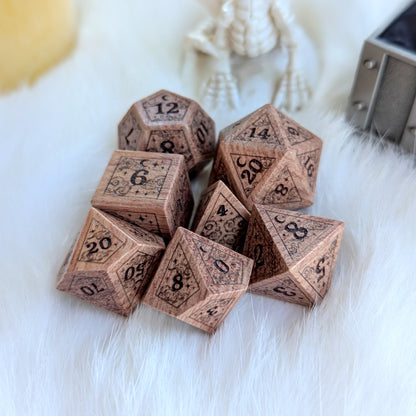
255,167
104,243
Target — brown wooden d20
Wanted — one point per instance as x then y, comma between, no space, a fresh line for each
294,254
169,123
111,263
148,189
267,158
221,217
198,280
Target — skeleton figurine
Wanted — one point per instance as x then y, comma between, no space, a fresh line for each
250,28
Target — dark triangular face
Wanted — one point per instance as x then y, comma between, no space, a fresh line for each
250,170
223,267
213,312
319,272
284,190
165,106
178,283
297,233
99,244
260,247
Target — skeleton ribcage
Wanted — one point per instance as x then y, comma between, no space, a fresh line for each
252,32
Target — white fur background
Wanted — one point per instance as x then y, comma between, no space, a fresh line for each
355,354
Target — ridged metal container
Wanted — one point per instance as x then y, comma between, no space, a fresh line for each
383,98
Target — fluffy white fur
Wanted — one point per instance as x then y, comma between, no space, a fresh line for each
353,355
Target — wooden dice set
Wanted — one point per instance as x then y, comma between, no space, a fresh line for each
264,164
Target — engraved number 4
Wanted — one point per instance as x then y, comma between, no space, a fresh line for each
222,211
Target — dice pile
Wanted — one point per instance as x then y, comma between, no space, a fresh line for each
244,237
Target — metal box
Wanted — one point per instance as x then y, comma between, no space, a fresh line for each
384,91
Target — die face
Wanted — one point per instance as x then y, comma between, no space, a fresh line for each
306,251
198,281
293,131
307,146
295,234
173,140
97,290
130,131
259,246
169,123
176,285
180,203
138,187
203,131
211,313
282,287
223,218
163,107
317,271
247,170
285,185
143,238
92,286
99,244
262,127
268,158
221,269
134,274
219,170
138,176
111,263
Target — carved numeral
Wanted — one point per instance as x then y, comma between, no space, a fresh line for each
284,291
202,133
222,211
134,272
264,134
221,266
281,189
139,178
310,168
258,256
167,146
128,135
298,233
91,289
320,271
104,243
172,108
177,282
255,167
293,131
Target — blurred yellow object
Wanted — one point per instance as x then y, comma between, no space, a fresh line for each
34,35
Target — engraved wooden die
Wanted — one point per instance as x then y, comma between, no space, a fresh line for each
148,189
294,254
267,158
198,281
169,123
221,217
111,263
